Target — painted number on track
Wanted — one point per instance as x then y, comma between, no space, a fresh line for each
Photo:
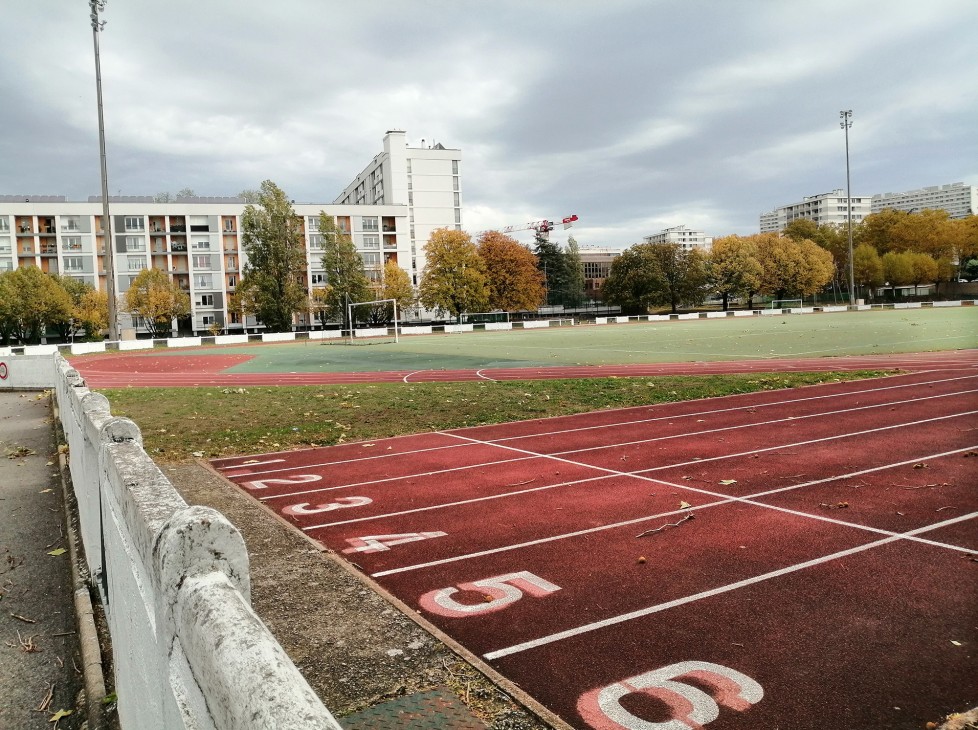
690,707
297,479
380,543
304,508
496,593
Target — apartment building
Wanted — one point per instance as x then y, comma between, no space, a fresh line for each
197,241
426,179
597,266
824,208
958,199
682,236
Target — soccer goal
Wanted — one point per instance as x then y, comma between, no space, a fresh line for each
484,317
373,333
786,303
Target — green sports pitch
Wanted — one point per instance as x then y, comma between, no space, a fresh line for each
732,338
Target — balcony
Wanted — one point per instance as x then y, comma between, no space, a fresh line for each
49,249
200,228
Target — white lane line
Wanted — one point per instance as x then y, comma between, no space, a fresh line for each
462,502
413,372
726,500
558,456
622,618
726,410
634,422
481,374
249,463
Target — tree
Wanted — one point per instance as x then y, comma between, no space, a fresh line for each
30,302
76,289
515,283
655,274
792,267
92,313
397,286
319,304
158,300
347,283
818,271
923,269
574,269
274,276
867,267
896,270
249,196
454,277
733,268
550,261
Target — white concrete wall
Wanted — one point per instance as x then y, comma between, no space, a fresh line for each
188,650
26,371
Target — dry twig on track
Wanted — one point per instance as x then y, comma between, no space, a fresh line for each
668,524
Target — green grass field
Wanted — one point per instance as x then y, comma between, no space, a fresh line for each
788,336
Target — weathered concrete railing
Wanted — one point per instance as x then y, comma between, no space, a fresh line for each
188,650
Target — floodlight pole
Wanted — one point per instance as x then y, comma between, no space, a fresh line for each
846,122
97,25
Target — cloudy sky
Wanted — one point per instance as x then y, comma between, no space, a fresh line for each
632,114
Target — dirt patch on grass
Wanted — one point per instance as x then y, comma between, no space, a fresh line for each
353,647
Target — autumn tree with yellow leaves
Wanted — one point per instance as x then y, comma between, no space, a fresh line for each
515,283
157,300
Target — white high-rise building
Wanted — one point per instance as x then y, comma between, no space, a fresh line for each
426,179
823,209
682,236
958,199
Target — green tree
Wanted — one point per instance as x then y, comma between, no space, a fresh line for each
515,283
553,266
792,267
867,267
157,299
67,325
649,275
733,268
274,276
347,283
454,277
574,270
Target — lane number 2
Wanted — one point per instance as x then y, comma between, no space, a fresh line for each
497,593
690,707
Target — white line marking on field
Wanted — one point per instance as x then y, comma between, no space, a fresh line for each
414,372
481,374
700,507
250,463
622,618
633,422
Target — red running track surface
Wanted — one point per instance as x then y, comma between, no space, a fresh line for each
797,559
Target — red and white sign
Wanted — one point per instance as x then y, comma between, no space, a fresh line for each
4,372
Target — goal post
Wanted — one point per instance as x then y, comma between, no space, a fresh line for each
377,302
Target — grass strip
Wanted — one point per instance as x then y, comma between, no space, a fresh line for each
180,423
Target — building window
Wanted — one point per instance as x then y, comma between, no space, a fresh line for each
232,281
370,223
232,262
136,263
313,222
205,300
455,167
203,281
202,261
370,259
229,225
371,241
71,243
316,240
457,203
207,320
135,243
410,198
318,279
135,223
204,245
455,183
4,225
70,223
458,215
408,166
74,263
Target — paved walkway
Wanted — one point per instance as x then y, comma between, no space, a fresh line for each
38,642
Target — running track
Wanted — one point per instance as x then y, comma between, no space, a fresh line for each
808,558
147,370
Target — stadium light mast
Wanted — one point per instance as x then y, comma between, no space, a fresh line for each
846,116
96,7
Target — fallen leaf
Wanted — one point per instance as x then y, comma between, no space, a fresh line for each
684,505
727,482
60,714
44,491
921,465
198,454
956,643
59,551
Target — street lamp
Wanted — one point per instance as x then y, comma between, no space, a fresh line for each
97,25
846,122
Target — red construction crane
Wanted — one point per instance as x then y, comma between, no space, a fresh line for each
542,228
